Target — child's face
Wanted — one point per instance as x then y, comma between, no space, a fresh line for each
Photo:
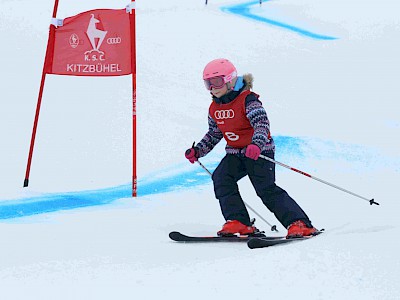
219,92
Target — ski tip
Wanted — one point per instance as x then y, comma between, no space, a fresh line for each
174,235
319,231
254,244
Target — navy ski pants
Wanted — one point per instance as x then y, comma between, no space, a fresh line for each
262,175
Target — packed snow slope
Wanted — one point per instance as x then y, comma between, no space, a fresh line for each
327,73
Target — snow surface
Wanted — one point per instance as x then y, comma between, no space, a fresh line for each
76,234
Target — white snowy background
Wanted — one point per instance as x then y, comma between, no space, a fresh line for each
333,105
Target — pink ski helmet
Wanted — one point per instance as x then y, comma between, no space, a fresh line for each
220,67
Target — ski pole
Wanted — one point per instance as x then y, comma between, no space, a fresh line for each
371,201
273,227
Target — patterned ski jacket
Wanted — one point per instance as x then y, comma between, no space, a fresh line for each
239,125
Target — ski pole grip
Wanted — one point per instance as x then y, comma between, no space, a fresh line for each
188,150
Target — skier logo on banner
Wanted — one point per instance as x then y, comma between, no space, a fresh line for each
93,33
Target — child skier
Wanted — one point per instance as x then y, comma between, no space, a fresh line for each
237,115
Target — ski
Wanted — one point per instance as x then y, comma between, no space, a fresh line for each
179,237
255,242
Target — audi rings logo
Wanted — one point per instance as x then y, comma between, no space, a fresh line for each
224,114
114,40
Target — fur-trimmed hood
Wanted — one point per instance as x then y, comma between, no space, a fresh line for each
248,81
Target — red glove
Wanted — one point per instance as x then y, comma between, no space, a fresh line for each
253,151
192,154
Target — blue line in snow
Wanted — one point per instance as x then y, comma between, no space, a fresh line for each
176,178
71,200
244,10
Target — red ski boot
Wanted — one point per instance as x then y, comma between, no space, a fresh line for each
300,229
232,227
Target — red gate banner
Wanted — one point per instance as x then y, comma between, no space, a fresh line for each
99,42
92,43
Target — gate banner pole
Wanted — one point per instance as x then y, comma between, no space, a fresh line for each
132,19
47,60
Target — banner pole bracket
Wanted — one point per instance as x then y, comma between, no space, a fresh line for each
131,6
57,22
